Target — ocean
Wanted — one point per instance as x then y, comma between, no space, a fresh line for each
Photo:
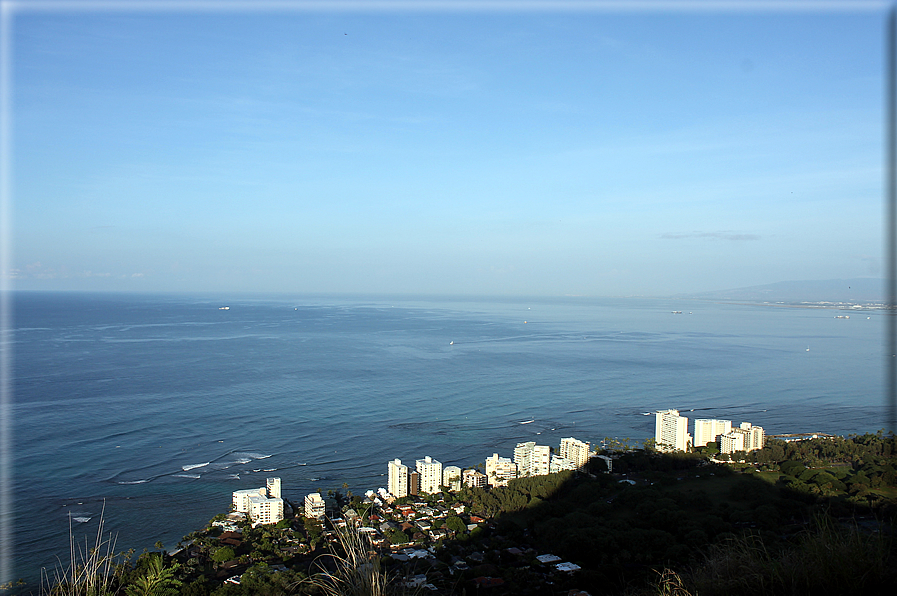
157,407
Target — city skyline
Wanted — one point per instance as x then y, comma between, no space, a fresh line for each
502,152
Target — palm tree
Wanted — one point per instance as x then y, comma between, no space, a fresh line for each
158,581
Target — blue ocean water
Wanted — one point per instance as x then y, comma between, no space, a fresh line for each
158,407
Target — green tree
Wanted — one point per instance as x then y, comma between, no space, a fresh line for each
157,581
455,524
225,553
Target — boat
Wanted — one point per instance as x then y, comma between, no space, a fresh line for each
530,421
451,343
223,308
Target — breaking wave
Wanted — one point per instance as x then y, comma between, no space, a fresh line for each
191,466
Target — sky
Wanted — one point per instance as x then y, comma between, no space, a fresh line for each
506,152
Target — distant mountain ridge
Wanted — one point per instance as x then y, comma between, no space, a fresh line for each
857,290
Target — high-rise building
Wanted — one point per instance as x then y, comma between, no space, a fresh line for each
430,472
745,438
499,470
709,430
757,436
397,483
559,464
273,487
263,510
473,478
241,498
532,459
314,505
671,431
575,450
451,477
262,505
414,482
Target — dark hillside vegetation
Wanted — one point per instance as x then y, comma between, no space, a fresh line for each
797,518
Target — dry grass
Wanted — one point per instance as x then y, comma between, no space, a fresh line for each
670,584
91,570
829,558
356,572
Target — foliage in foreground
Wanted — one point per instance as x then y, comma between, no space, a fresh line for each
830,558
355,572
90,572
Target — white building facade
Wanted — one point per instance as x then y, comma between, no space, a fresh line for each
473,478
314,506
263,510
241,498
499,470
397,483
745,438
575,450
451,477
262,505
709,430
532,459
430,472
561,464
671,431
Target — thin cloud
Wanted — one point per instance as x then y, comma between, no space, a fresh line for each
723,235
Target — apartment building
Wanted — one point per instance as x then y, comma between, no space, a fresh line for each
499,470
397,482
473,478
262,505
532,459
745,438
451,477
560,464
315,506
430,472
575,450
671,431
709,430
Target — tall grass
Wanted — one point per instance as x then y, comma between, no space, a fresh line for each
355,572
90,572
670,584
828,558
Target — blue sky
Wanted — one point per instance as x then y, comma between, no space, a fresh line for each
505,153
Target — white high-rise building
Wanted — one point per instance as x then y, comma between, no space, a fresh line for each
430,472
241,498
745,438
708,430
263,510
560,464
273,487
757,437
451,477
314,505
398,479
575,450
263,505
473,478
671,431
499,470
532,459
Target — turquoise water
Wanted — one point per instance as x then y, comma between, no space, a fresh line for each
161,406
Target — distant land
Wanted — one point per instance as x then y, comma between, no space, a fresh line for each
862,290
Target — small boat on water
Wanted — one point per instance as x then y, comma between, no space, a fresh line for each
530,421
